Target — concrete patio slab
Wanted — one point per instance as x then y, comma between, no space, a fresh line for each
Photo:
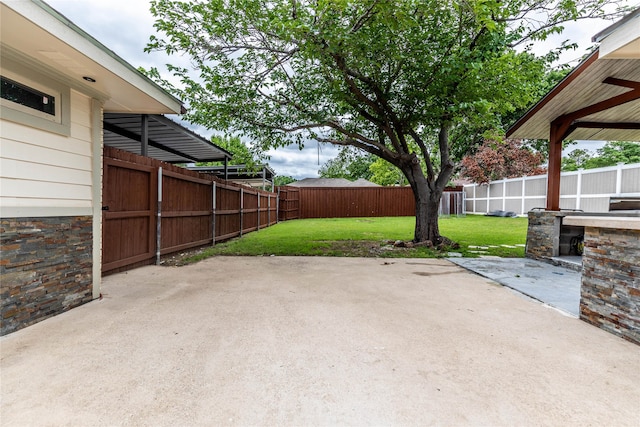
315,341
556,286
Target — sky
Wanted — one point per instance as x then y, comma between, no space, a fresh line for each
124,26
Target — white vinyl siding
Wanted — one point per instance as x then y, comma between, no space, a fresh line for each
41,170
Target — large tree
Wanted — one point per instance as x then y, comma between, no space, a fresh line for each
399,79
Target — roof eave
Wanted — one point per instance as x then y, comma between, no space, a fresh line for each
593,56
60,27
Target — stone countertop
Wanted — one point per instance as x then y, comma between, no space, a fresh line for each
619,222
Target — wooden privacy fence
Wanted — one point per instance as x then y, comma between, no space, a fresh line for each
345,202
152,208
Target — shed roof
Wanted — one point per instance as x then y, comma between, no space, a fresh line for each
168,141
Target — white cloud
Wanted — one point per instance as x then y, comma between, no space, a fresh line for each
303,163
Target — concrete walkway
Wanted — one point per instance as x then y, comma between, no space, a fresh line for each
315,341
556,286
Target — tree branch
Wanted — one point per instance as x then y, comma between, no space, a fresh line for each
446,165
425,153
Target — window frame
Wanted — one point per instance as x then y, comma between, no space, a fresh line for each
59,123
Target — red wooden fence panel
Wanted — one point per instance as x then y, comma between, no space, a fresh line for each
227,212
356,202
349,202
185,212
249,210
288,203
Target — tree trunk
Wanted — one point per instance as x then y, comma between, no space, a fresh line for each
427,208
427,189
427,198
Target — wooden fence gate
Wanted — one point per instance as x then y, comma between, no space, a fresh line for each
128,213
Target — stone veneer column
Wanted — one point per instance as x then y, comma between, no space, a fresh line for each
45,268
610,292
543,234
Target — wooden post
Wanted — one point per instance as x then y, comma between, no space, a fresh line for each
241,210
159,218
555,163
213,210
278,206
144,135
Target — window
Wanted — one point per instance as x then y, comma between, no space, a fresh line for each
31,96
27,96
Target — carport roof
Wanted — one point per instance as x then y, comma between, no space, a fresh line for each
167,140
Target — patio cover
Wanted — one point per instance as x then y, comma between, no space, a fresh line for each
598,100
166,140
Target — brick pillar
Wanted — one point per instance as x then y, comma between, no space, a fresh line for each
610,291
543,234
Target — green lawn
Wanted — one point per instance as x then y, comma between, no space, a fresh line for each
369,236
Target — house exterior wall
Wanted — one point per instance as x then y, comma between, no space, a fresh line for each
50,200
43,172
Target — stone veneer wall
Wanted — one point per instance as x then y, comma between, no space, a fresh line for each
45,268
543,234
610,292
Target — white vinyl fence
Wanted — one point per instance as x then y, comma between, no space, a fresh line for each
587,190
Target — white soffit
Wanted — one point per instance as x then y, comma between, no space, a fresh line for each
621,40
584,87
40,33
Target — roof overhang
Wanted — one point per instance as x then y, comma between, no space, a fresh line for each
600,98
44,38
167,140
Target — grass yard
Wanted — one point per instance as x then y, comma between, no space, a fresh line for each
476,235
